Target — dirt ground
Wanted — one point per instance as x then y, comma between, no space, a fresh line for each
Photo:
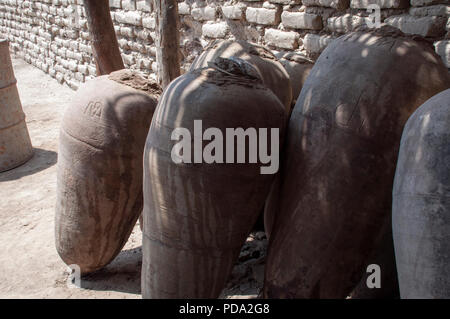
29,264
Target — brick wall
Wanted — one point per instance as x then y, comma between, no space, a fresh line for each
53,35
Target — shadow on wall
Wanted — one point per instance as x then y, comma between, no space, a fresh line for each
41,160
123,274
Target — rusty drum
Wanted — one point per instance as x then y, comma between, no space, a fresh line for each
15,143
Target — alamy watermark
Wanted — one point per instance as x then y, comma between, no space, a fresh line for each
374,279
374,20
235,146
74,277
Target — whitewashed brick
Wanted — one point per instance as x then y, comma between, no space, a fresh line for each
424,26
337,4
384,4
215,30
149,23
301,20
72,66
123,44
437,10
345,23
269,5
144,5
52,72
286,2
92,70
74,85
59,77
128,59
263,16
85,48
136,46
79,76
127,32
155,67
143,35
114,4
315,44
235,12
129,17
144,63
281,39
82,68
183,8
204,14
133,17
129,4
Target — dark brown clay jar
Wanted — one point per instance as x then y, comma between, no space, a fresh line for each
272,73
99,192
198,215
334,205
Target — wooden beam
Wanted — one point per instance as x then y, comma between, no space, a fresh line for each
168,42
103,37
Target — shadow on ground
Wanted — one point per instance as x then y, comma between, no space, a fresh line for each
123,274
41,160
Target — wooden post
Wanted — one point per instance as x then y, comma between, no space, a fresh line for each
168,42
104,42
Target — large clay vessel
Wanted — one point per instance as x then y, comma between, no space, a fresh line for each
343,137
421,202
272,73
298,67
198,215
15,143
99,192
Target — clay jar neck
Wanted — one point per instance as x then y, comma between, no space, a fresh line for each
136,81
234,69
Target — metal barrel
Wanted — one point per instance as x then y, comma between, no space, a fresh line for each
15,143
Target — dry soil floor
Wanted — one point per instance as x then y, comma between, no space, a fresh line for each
29,264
